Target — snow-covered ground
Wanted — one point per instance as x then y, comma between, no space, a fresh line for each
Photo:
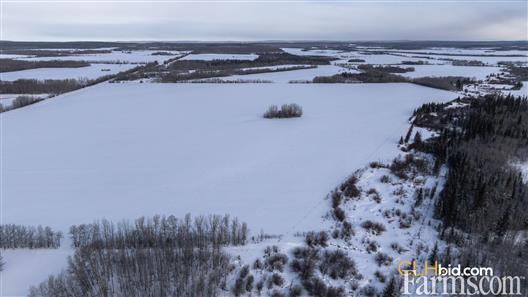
128,150
522,92
211,57
90,72
164,148
27,267
478,72
115,56
292,75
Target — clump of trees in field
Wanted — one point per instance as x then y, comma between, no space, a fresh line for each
18,237
285,111
158,256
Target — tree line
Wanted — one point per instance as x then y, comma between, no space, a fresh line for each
17,236
158,256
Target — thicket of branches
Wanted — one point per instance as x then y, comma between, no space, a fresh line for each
159,256
17,236
7,65
48,86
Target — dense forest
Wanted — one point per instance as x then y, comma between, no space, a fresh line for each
484,203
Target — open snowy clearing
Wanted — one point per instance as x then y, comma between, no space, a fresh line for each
128,150
286,76
478,72
90,72
215,159
115,57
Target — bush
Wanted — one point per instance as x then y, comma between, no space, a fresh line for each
286,111
316,239
337,264
372,247
369,291
339,214
276,262
277,279
304,262
349,187
383,259
373,227
296,291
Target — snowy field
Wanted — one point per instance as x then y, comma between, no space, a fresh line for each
286,76
478,72
90,72
148,151
114,57
127,150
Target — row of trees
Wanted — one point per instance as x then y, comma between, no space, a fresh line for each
161,231
158,256
7,65
17,236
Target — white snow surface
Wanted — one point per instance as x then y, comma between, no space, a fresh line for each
90,72
478,72
128,150
211,57
143,56
287,76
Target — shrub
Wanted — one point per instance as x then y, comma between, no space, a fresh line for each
347,231
304,262
349,187
385,179
316,239
337,264
372,247
276,262
339,214
277,279
276,293
380,276
383,259
286,111
369,291
337,197
296,291
397,248
373,227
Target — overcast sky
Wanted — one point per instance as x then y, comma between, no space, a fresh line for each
264,20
